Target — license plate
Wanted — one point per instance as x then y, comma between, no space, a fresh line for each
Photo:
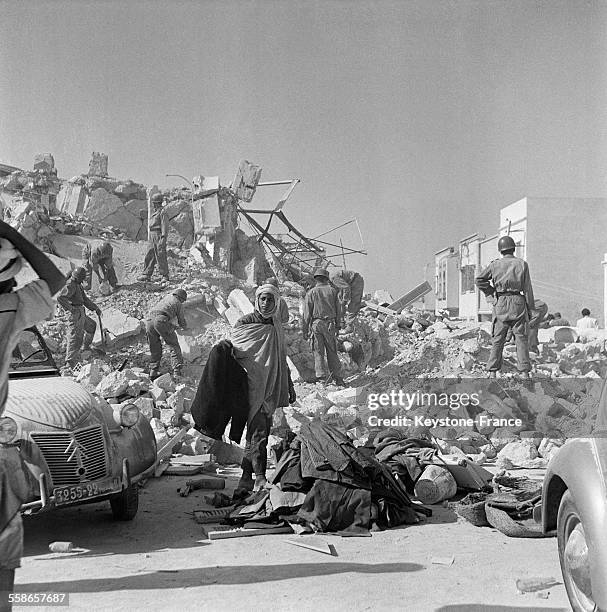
85,490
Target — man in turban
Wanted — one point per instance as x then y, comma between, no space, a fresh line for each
259,347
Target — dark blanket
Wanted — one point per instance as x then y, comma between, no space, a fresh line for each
222,395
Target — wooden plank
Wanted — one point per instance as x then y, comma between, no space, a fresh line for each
166,450
244,532
411,296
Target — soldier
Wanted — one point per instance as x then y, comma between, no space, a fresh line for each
157,244
351,286
507,284
321,321
159,326
81,328
100,257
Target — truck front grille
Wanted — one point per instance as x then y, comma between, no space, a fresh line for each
74,457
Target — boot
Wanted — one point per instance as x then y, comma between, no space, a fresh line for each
154,373
143,278
492,374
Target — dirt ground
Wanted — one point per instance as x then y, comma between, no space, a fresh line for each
162,561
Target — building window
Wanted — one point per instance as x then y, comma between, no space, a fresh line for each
441,280
468,274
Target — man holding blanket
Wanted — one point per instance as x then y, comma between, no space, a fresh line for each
259,347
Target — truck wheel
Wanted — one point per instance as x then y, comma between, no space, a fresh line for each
125,504
574,555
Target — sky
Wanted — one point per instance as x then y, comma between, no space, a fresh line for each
420,119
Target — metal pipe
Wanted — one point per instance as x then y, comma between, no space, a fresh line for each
267,183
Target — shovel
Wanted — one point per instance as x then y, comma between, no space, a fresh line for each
101,351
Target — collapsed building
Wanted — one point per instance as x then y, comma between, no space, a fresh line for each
393,344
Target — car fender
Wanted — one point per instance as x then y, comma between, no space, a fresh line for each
138,445
576,467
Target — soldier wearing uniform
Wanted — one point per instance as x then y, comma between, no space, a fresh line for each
350,286
81,328
159,326
321,322
507,284
99,260
157,244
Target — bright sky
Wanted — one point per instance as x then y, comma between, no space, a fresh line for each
420,118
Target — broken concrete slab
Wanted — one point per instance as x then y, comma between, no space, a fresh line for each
382,297
101,205
410,297
190,346
246,180
118,324
238,299
347,396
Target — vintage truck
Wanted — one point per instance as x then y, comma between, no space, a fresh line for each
76,447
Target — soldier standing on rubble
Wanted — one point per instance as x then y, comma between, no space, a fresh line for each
507,284
351,286
100,257
157,244
159,326
18,310
81,328
321,322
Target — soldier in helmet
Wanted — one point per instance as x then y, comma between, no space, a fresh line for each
81,328
99,259
157,244
321,322
159,326
507,284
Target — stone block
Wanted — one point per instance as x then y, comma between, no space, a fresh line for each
114,384
165,382
118,325
146,407
347,396
232,315
381,297
245,182
169,417
220,304
101,205
314,404
238,299
44,162
158,394
190,346
517,453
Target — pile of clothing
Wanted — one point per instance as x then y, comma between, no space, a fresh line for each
324,483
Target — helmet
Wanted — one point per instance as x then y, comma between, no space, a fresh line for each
79,274
157,198
321,272
505,243
271,281
181,294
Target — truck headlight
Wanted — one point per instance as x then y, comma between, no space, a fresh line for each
129,415
8,430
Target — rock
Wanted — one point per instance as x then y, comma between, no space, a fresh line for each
190,347
101,205
239,300
348,396
471,346
314,404
517,453
220,304
159,432
118,324
169,417
165,382
114,384
232,315
158,394
146,407
90,374
381,296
